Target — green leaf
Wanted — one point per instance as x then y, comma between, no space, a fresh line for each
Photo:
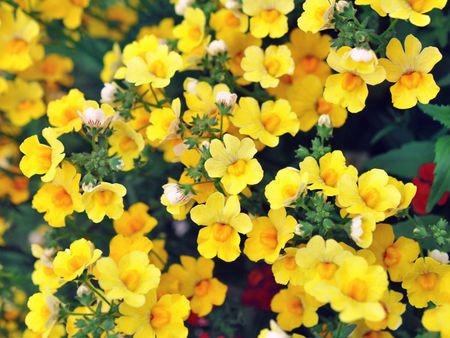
438,113
441,182
404,161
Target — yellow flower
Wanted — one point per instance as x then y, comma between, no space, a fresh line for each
44,276
43,314
412,10
285,188
60,197
3,228
17,189
22,102
223,222
267,66
285,269
362,330
70,263
19,35
191,31
164,30
226,20
126,143
103,200
371,193
232,160
409,68
269,235
39,158
374,4
274,119
120,245
422,282
70,11
164,122
393,312
396,257
407,192
112,60
197,283
306,99
317,15
357,68
160,318
436,320
268,18
320,260
135,221
295,308
325,175
158,255
360,287
129,279
63,113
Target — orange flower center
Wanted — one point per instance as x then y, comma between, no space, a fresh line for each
70,114
272,65
295,306
411,80
48,67
326,270
358,290
25,104
159,317
45,312
270,15
237,168
392,256
80,3
269,238
222,232
370,197
428,281
289,263
232,20
195,33
135,225
418,5
271,123
201,288
158,68
351,82
76,262
323,107
16,46
45,157
289,191
372,334
309,63
131,279
127,144
20,183
61,199
104,197
329,176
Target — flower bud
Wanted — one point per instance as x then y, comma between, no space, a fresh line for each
226,99
341,5
298,230
182,5
174,194
216,47
362,54
87,187
108,92
439,256
93,117
232,4
205,144
325,120
83,290
191,86
356,230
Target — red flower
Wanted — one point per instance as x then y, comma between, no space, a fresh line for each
424,182
261,287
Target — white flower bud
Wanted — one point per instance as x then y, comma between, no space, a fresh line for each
87,187
108,92
356,229
216,47
180,228
232,4
93,117
439,256
341,5
276,331
359,54
226,99
205,144
298,230
191,86
325,120
83,290
175,194
182,5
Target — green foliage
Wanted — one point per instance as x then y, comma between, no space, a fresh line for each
438,113
441,182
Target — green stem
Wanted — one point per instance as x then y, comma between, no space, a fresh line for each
94,289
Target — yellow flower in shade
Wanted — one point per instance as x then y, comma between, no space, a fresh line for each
135,221
105,199
232,160
412,10
70,11
285,269
374,4
158,255
112,61
222,221
267,124
267,66
191,31
39,158
268,18
357,68
19,35
44,309
396,257
4,226
394,309
317,15
226,20
63,113
362,330
126,143
22,102
309,51
160,318
360,287
320,260
285,188
306,99
58,331
325,175
60,197
422,282
197,283
164,30
164,122
120,245
295,308
371,193
70,263
129,279
17,189
269,235
409,68
407,192
436,320
44,276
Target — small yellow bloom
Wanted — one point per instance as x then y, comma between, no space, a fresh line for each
60,197
135,221
164,122
70,263
316,16
268,18
269,235
412,10
436,320
286,270
222,221
295,308
374,4
112,60
44,309
161,318
105,199
285,188
164,30
129,279
267,66
393,309
39,158
63,113
226,20
70,11
191,32
409,68
267,124
44,276
120,245
407,192
232,160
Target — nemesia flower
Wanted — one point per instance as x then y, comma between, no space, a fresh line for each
164,122
286,187
70,11
436,320
361,230
64,112
216,47
135,221
374,4
121,245
107,93
393,312
226,99
191,31
44,309
285,269
411,10
95,116
316,15
226,20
